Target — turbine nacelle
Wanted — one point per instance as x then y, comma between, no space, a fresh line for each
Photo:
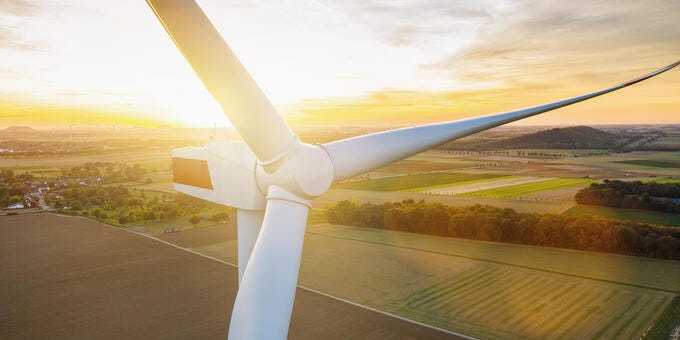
220,172
228,173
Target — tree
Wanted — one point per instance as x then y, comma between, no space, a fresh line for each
220,216
149,215
194,220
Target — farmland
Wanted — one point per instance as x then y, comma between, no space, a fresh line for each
470,186
335,195
666,143
651,163
533,305
484,289
67,277
488,290
398,183
520,190
153,159
635,215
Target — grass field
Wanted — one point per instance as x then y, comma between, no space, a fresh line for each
666,141
493,302
519,190
664,180
668,323
488,290
628,270
635,215
651,163
414,181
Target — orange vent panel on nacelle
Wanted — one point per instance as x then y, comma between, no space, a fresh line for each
192,172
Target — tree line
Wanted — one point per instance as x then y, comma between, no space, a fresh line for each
12,187
488,223
108,172
636,195
121,205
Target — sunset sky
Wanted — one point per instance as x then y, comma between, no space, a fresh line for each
356,62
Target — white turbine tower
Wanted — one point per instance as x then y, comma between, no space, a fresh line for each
273,176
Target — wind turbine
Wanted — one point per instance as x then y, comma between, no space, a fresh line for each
272,177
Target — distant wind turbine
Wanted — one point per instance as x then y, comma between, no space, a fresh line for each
272,177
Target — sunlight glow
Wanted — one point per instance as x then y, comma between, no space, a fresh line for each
326,62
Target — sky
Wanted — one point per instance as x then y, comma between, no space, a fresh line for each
336,63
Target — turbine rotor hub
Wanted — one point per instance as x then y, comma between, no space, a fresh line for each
305,171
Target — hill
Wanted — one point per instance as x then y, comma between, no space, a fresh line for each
577,137
18,129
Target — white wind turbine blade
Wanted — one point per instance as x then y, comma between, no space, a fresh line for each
249,223
357,155
268,274
221,72
265,298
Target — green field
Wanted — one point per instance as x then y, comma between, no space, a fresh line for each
667,322
474,181
502,303
634,215
651,163
664,180
415,181
666,141
514,191
487,290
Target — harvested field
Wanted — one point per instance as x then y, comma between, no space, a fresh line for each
66,277
482,185
564,194
414,165
412,181
520,190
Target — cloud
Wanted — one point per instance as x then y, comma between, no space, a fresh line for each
578,40
18,7
424,24
12,14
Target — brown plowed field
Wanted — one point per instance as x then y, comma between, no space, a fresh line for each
64,277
